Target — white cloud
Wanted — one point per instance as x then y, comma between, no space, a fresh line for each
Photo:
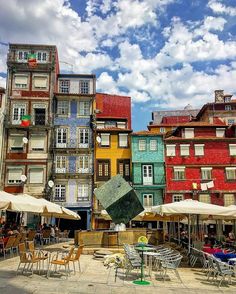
219,8
106,83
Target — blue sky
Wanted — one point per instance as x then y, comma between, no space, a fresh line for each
165,54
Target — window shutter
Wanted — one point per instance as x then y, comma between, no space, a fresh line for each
37,143
220,132
229,199
153,145
189,132
105,139
204,198
232,149
184,150
21,80
16,141
36,176
123,140
40,82
14,174
170,150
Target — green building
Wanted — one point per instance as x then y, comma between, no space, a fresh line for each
148,168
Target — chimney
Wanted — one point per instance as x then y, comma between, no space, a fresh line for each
219,96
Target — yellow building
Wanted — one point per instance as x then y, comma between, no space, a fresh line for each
112,150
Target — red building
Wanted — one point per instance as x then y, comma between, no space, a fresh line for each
113,107
201,163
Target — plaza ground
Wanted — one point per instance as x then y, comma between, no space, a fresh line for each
95,278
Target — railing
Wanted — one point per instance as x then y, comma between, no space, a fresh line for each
35,120
67,171
72,143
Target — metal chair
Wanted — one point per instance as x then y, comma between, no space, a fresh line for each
8,246
171,264
223,270
26,258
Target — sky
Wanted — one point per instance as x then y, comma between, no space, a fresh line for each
164,54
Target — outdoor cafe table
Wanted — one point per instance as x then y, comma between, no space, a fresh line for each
142,249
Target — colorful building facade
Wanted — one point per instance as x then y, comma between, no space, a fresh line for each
201,163
112,144
73,144
148,170
2,130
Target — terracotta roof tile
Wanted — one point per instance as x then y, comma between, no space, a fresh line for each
146,133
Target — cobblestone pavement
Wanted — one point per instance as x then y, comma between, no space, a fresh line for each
95,278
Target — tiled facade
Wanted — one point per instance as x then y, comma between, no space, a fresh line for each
148,171
73,144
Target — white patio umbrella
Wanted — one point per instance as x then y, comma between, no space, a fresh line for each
192,207
18,203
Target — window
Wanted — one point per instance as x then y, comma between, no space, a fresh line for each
41,56
123,140
121,124
84,87
206,173
14,175
100,124
204,198
84,138
62,107
220,132
153,145
83,192
20,81
232,149
199,149
22,56
123,168
189,133
18,111
147,174
105,140
147,200
61,164
61,139
227,107
16,143
103,170
83,164
231,121
162,130
64,86
170,150
230,173
177,198
227,98
184,150
36,176
179,173
60,193
141,145
40,82
37,142
229,199
84,108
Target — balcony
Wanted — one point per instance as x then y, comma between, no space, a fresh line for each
72,144
37,120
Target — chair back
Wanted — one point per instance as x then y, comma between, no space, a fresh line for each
22,248
10,242
69,255
177,261
23,237
31,235
31,246
17,241
79,252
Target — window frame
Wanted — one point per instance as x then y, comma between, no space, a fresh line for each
17,182
170,153
127,140
190,131
124,163
62,144
64,88
104,145
62,193
228,107
232,149
83,169
149,199
151,145
63,108
103,162
40,88
18,87
175,196
182,147
234,174
177,171
140,141
202,146
43,175
147,183
229,202
203,194
61,163
208,173
86,109
19,113
84,87
83,137
83,198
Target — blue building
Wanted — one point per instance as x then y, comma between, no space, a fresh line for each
73,145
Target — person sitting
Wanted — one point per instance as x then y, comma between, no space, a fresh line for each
231,236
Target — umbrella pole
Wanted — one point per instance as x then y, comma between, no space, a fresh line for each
189,241
178,232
